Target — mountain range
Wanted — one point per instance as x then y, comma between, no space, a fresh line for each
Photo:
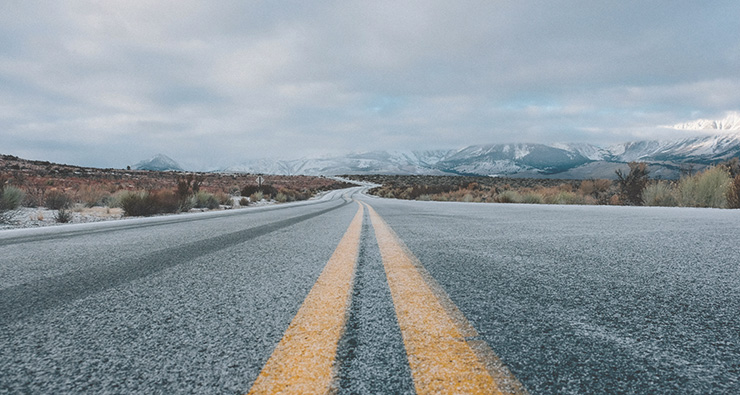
667,158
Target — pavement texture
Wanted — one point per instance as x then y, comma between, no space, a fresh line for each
184,308
572,299
371,355
583,299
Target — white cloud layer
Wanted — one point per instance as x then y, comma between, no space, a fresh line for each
214,83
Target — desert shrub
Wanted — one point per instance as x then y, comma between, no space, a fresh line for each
187,203
139,203
424,197
414,191
109,201
244,202
508,196
135,204
92,196
223,199
10,197
632,184
595,191
57,200
594,187
206,200
733,193
256,197
291,195
114,200
249,190
406,193
709,188
687,191
188,185
269,191
589,200
63,216
659,194
165,201
564,197
294,195
34,196
532,198
266,190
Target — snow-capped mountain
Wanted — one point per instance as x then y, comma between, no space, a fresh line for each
730,123
498,159
515,160
562,160
375,162
703,150
159,162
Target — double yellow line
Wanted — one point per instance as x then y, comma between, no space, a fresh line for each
443,352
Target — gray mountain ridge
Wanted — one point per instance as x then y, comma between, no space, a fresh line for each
582,160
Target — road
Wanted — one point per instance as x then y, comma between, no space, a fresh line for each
366,295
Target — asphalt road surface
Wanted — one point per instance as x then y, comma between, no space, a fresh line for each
382,296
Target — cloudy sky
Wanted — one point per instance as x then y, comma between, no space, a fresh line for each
213,83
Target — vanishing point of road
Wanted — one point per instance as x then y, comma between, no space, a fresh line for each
354,294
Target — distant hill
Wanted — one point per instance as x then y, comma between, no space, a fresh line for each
160,162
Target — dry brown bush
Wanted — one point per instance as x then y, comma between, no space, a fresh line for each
92,195
594,187
733,195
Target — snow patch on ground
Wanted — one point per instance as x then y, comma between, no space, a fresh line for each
26,217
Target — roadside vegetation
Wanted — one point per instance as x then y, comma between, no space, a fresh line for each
71,192
716,186
496,190
10,199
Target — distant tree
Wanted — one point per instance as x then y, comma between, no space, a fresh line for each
632,184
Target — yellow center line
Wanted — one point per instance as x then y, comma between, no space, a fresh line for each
303,361
435,333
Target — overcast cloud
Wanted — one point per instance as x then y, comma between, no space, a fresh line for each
213,83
